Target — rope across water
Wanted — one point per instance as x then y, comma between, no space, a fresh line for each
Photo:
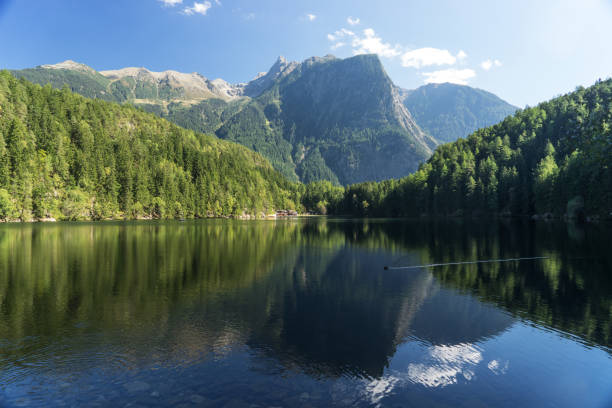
465,263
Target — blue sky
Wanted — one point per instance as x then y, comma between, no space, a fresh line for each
524,51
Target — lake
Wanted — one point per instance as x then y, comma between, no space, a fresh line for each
303,313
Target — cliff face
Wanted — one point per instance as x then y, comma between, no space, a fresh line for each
325,118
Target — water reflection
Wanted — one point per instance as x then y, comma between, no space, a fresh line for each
306,298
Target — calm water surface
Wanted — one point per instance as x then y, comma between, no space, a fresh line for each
301,313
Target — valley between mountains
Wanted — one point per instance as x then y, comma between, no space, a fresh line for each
326,118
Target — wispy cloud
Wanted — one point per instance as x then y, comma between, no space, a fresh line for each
368,43
198,8
171,3
488,64
371,43
424,57
311,17
342,33
454,76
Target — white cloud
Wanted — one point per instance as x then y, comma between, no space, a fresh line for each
454,76
340,34
424,57
448,363
198,8
497,367
171,3
440,366
377,389
488,64
311,17
370,43
353,21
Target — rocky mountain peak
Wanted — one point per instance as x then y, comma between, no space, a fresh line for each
70,65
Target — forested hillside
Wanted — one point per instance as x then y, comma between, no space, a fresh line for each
554,158
449,111
68,157
323,119
332,119
135,85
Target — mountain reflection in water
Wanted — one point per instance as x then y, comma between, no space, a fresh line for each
307,299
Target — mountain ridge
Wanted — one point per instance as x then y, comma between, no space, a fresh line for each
64,156
342,120
355,128
451,111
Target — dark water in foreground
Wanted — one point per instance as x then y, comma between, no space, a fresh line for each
301,313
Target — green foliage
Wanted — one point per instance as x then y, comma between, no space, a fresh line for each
7,208
68,157
251,128
90,84
449,111
76,205
313,168
321,197
332,119
533,162
328,119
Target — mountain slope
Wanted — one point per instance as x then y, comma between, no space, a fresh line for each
136,85
554,158
326,118
334,119
78,77
68,157
449,111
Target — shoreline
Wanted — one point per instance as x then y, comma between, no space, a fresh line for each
533,218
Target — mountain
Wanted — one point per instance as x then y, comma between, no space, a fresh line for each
69,157
135,85
554,159
265,80
449,111
334,119
325,118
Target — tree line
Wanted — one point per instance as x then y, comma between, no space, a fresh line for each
554,160
64,156
67,157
